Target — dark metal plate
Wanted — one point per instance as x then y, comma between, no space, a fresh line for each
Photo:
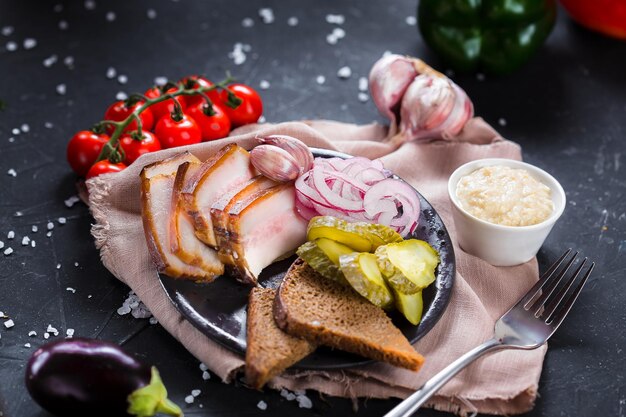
218,309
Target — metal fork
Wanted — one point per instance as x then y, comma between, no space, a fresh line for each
527,325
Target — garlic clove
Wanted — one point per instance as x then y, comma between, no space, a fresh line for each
295,147
275,163
389,78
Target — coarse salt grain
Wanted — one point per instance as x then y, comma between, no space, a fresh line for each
8,251
46,336
52,330
76,264
362,84
15,131
151,14
25,127
304,401
502,121
11,46
153,320
61,89
7,30
203,367
337,19
267,15
30,43
69,333
1,244
247,22
238,54
90,4
206,375
264,84
25,241
121,95
58,8
9,323
49,234
344,72
363,97
110,16
189,399
11,139
50,61
411,20
48,125
34,229
62,220
32,244
12,172
58,266
32,333
11,234
69,61
480,76
111,73
320,79
63,25
70,289
26,345
160,81
262,405
292,21
261,119
122,79
196,392
50,225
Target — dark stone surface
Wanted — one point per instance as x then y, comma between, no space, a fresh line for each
567,108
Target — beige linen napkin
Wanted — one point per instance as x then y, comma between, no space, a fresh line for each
502,383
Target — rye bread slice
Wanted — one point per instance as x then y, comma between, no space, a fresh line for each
270,350
325,312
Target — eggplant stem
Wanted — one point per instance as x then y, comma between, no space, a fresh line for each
151,399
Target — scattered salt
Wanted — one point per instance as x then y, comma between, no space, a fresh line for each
50,225
337,19
261,119
11,234
304,401
48,125
1,244
111,73
76,264
110,16
502,121
69,61
262,405
363,97
132,304
34,229
63,25
153,320
238,54
58,266
15,131
46,336
292,21
50,61
122,79
58,8
90,4
267,15
264,84
151,14
203,367
70,289
26,345
480,76
61,89
196,392
25,241
69,333
247,22
160,81
344,72
62,220
11,46
32,333
411,20
7,30
189,399
30,43
206,375
362,84
32,244
8,251
52,330
121,95
12,172
320,79
9,323
25,127
49,234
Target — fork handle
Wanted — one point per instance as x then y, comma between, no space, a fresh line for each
407,407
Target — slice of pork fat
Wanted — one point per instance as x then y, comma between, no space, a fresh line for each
264,227
226,170
220,209
157,182
183,241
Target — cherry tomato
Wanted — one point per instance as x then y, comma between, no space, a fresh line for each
104,167
195,81
118,112
165,107
134,148
250,108
172,133
83,150
212,127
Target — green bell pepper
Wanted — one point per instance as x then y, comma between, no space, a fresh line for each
496,36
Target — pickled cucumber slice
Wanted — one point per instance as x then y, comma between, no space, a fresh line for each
340,231
361,271
319,261
408,266
411,306
380,234
333,249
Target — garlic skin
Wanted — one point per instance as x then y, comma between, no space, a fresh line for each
388,80
275,163
420,103
295,147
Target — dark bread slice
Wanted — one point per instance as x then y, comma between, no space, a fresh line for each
325,312
270,350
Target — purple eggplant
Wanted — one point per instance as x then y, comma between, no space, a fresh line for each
87,377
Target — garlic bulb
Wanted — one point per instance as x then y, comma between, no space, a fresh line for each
275,163
420,102
294,147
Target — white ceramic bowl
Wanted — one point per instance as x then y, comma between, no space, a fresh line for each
503,245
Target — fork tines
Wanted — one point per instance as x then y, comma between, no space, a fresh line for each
552,307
